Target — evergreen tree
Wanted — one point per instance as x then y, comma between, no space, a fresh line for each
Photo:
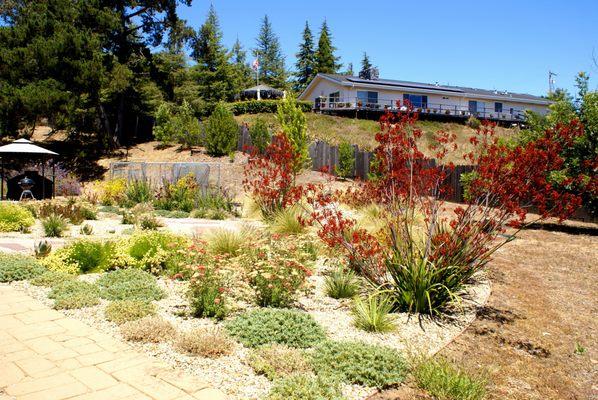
305,60
349,70
326,61
214,73
242,70
366,67
271,59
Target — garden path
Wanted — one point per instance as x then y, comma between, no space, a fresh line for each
45,355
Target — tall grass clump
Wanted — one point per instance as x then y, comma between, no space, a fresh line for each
138,191
445,381
286,222
341,283
372,313
54,225
226,242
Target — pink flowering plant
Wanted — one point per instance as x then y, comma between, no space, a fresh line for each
277,270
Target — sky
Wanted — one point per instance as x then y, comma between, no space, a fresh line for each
503,45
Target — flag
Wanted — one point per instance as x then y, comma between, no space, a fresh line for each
255,64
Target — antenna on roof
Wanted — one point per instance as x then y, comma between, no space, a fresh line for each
551,76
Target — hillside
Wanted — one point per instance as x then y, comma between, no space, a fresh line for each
362,132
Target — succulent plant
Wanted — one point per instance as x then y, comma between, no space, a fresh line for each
86,229
42,248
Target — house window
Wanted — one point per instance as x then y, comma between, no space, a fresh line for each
498,107
476,107
334,97
416,100
367,97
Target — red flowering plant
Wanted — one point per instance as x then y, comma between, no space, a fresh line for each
270,177
428,252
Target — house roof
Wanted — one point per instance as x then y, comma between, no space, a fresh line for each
348,80
24,146
262,87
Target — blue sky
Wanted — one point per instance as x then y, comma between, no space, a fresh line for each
504,45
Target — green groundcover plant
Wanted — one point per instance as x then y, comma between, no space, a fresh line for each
17,268
264,326
359,363
129,284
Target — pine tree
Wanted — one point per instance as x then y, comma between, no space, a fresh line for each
305,60
214,73
366,67
271,59
326,61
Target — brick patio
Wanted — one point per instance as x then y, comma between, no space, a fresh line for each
45,355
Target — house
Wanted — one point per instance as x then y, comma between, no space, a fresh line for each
340,94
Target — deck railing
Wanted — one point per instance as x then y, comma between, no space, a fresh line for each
339,104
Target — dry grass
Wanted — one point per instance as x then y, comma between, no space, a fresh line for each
148,330
210,343
277,360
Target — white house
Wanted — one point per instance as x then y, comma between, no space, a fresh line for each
343,93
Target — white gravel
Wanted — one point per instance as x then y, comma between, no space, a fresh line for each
232,375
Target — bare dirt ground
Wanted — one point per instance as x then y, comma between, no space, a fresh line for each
543,303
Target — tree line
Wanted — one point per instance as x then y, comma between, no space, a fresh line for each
97,67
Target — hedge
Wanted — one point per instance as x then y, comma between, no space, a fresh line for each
263,106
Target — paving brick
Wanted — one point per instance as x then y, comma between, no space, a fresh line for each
18,355
10,374
9,321
149,385
94,378
186,382
22,388
88,349
37,330
77,342
58,393
68,364
120,391
97,358
209,394
43,345
76,328
61,354
125,360
34,364
33,317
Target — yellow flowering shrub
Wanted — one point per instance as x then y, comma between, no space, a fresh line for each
61,261
14,218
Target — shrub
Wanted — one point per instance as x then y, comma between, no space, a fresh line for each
264,326
276,361
122,311
90,255
222,132
51,278
75,212
61,261
277,273
226,242
445,381
149,222
346,161
154,250
149,329
359,363
15,267
112,192
14,218
138,191
207,296
215,199
73,294
287,222
210,343
260,135
294,125
177,124
180,195
473,122
54,225
263,106
372,314
129,284
305,387
341,283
